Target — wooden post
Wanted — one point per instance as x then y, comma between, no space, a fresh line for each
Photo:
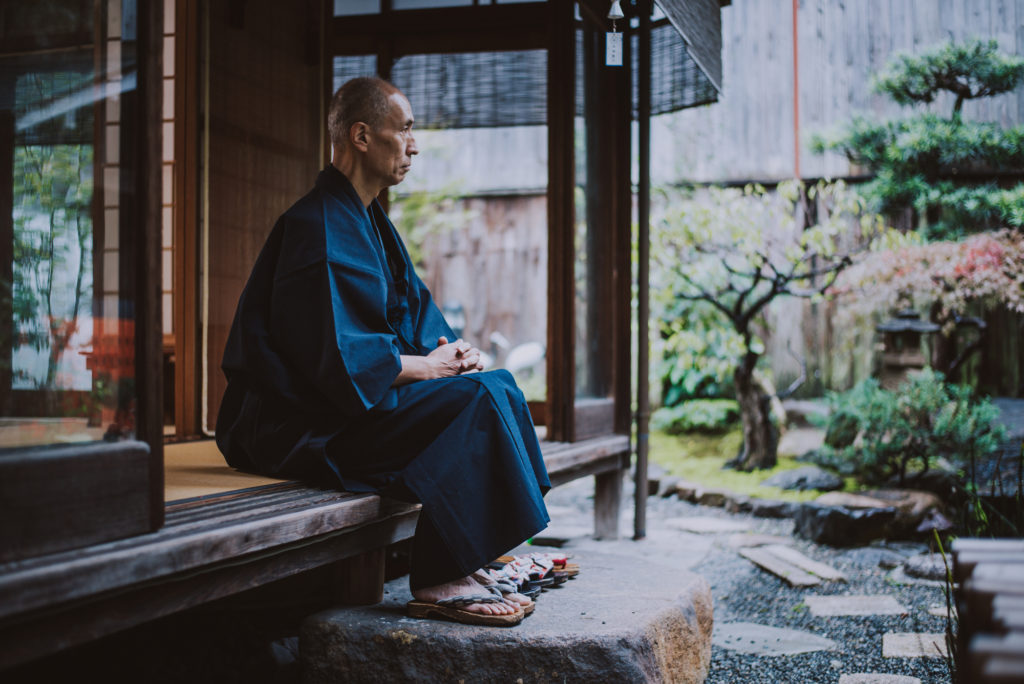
6,247
360,578
643,408
607,504
561,364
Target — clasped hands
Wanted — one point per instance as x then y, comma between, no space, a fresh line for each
444,361
457,357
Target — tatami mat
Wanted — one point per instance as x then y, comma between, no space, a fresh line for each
196,469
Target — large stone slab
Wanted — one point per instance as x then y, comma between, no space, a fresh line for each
750,637
913,645
618,621
828,606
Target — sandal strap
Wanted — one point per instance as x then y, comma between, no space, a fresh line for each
469,599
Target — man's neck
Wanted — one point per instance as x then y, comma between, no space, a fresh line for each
366,190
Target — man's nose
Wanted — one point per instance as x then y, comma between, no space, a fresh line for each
411,148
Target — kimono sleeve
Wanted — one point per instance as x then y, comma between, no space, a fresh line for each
330,322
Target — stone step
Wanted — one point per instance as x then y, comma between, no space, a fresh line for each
913,645
621,620
836,606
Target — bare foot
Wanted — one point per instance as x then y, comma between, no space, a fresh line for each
467,586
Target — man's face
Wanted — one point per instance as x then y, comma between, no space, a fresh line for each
391,144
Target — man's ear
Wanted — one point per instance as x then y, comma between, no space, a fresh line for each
359,136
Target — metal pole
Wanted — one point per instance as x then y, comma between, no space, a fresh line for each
643,408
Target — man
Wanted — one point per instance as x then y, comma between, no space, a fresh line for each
341,369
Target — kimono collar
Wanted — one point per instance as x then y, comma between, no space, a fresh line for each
337,184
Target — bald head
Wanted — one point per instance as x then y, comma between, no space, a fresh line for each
363,100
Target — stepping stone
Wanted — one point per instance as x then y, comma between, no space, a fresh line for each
827,606
791,565
929,566
618,621
749,637
913,645
877,678
940,611
703,525
748,539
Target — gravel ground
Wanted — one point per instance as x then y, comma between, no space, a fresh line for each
744,592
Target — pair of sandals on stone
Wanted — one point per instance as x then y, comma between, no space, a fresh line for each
526,575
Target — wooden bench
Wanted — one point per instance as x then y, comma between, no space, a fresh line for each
214,546
990,603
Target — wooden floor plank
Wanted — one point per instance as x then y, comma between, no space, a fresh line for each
791,555
775,565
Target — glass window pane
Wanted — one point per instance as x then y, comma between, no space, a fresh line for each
591,259
343,8
66,311
424,4
348,67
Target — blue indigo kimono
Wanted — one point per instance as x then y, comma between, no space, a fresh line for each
313,353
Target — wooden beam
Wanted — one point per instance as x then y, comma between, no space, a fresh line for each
6,245
643,269
561,373
103,615
517,18
187,345
140,233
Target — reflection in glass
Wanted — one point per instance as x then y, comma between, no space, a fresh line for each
66,313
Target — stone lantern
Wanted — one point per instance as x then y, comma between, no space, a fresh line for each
902,351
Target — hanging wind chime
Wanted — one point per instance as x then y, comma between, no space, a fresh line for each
613,39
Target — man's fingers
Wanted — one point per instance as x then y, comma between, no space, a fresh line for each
441,341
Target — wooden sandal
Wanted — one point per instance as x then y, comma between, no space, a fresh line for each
450,609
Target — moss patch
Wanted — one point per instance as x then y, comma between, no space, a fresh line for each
699,458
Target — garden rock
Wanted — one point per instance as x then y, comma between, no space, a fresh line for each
806,477
687,491
940,481
876,557
711,497
929,566
842,526
668,486
611,624
770,508
914,507
737,503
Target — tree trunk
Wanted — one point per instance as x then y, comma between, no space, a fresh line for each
759,443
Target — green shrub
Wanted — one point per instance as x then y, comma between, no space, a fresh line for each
926,420
697,415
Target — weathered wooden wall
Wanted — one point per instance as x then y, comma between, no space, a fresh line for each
264,147
748,134
495,266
